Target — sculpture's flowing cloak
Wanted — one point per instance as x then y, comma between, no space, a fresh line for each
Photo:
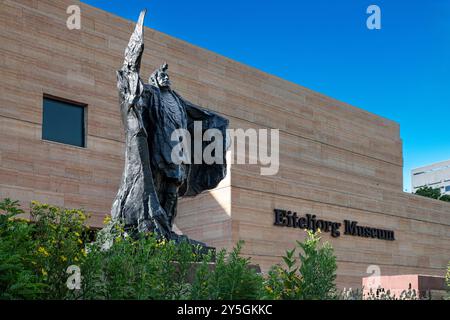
147,156
204,176
199,177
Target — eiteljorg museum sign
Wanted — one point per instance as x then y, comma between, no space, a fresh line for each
284,218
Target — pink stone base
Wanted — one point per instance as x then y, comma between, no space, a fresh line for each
397,284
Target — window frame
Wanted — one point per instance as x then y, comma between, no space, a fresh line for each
67,101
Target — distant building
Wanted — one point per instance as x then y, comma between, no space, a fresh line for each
436,176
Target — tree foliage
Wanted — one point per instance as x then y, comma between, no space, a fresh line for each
429,192
433,193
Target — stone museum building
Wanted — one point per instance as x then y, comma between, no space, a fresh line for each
62,143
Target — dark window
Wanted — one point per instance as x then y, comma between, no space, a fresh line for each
447,188
63,122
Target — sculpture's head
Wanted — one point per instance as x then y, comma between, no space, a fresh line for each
160,77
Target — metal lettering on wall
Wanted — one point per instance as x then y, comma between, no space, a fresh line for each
284,218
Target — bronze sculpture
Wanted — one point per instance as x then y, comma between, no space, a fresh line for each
152,181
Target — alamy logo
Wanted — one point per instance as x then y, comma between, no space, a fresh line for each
374,20
74,280
74,20
374,281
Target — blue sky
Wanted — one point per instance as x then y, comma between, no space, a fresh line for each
401,72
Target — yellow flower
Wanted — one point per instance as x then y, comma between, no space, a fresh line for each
76,259
107,220
63,258
80,241
81,215
43,251
44,273
77,234
83,252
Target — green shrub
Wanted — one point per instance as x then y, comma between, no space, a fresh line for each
59,236
34,261
284,284
18,279
230,279
314,279
35,257
318,268
143,268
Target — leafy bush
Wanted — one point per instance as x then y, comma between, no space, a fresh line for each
318,268
314,279
232,278
284,284
18,279
36,257
58,237
143,268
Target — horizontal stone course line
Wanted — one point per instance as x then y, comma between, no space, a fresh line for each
218,57
314,140
349,261
275,78
414,200
301,136
302,166
82,148
341,206
285,132
310,185
368,246
306,186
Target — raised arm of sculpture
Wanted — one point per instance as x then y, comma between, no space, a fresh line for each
129,82
136,204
